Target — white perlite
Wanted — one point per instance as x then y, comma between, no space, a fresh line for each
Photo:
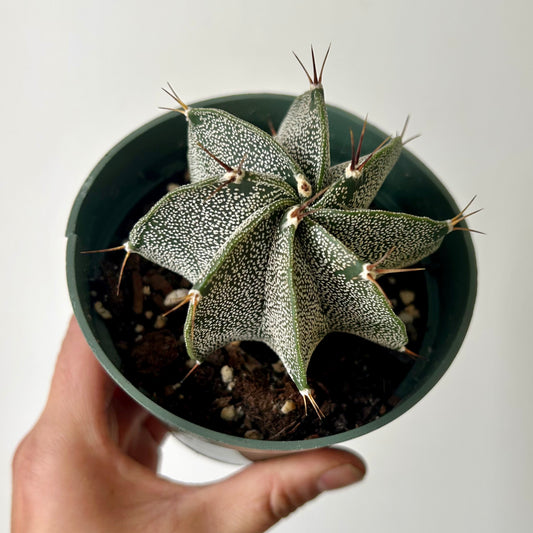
226,373
102,311
407,297
409,314
253,434
287,407
174,297
228,413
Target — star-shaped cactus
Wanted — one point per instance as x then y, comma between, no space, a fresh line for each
280,246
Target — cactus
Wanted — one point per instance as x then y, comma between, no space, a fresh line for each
280,246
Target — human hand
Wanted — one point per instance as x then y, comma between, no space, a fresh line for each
90,463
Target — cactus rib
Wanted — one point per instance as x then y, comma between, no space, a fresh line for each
280,246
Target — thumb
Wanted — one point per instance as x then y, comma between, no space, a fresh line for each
263,493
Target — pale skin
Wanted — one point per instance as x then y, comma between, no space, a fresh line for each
90,465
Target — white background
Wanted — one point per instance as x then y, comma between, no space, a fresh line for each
76,77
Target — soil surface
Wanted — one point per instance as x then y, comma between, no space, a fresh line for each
243,389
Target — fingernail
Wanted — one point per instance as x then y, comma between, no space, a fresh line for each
338,477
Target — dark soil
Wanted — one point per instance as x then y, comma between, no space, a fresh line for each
354,381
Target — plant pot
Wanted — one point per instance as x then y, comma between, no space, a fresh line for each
155,152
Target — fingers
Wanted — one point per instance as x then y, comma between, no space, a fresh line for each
81,390
84,402
157,429
136,432
148,450
265,492
130,417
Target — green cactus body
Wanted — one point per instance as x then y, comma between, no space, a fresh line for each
281,247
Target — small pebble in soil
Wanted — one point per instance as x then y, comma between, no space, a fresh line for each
139,328
160,322
171,389
175,297
409,314
412,310
354,390
407,297
253,434
102,311
226,373
228,413
287,407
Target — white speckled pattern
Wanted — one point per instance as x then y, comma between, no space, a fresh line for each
358,192
230,139
304,133
265,267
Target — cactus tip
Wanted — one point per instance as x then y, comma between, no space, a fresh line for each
371,270
410,353
316,80
356,154
308,395
232,175
181,381
114,249
323,64
128,251
303,66
374,152
315,76
462,216
193,295
183,109
404,129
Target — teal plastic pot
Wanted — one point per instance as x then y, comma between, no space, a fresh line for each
155,152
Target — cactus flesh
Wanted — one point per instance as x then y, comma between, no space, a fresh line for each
280,246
